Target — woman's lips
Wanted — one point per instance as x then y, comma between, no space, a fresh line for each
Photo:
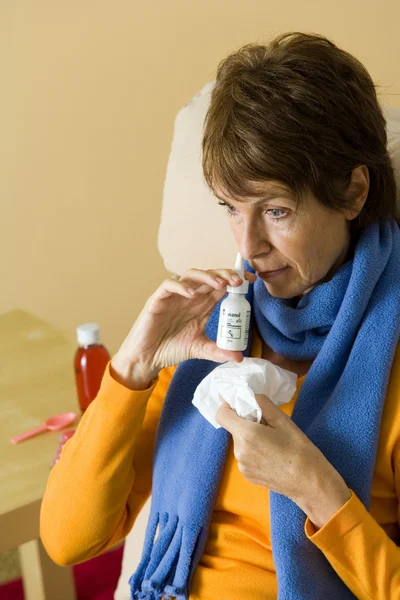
272,274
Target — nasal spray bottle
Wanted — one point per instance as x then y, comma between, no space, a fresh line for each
234,315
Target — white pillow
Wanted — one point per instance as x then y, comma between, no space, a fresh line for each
392,116
194,232
193,229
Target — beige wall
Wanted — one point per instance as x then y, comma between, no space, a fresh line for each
89,92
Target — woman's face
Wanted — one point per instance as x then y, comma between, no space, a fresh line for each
305,245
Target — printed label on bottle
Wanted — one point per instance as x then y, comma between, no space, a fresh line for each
232,329
247,327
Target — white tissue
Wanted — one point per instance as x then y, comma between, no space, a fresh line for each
238,383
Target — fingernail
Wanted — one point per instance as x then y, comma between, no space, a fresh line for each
191,291
235,277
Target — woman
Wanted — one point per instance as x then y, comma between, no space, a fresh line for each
305,507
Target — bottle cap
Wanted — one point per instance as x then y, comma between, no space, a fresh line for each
239,268
88,334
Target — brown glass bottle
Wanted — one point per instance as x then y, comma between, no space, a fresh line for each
90,361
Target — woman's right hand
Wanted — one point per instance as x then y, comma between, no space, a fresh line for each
170,328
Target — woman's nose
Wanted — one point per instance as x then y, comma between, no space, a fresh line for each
252,242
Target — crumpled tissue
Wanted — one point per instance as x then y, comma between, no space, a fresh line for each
237,384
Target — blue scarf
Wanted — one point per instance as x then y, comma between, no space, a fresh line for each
350,326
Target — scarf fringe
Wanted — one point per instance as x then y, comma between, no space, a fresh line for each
164,569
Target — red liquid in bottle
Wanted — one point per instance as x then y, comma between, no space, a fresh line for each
90,363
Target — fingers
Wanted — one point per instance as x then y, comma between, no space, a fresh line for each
218,279
227,417
193,284
196,282
171,286
251,277
271,414
210,351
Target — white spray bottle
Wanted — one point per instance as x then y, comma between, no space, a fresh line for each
234,314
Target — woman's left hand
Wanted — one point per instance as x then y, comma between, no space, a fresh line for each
278,455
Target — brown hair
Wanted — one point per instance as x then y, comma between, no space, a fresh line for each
303,112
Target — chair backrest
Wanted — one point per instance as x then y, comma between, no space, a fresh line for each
193,229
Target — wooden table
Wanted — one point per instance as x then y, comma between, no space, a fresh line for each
36,381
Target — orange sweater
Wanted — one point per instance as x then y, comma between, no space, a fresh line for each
103,478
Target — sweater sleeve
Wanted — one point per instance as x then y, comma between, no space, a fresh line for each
358,548
103,477
360,551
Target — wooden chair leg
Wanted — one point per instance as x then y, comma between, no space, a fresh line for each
42,578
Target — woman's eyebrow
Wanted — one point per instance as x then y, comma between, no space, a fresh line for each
264,198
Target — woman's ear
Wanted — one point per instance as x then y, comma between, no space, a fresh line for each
357,191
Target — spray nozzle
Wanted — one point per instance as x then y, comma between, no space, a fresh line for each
239,268
239,265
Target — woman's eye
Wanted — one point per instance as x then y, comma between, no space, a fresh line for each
229,209
275,213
